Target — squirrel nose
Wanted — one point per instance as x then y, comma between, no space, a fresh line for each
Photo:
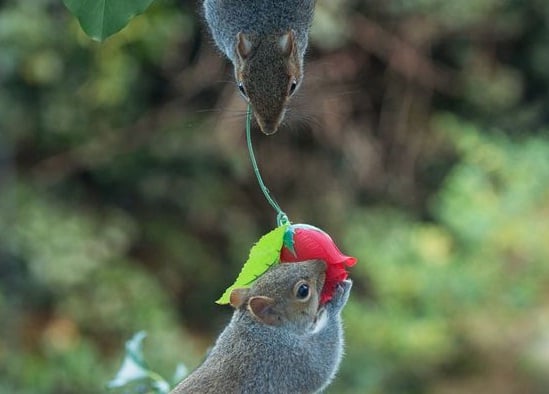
268,127
268,130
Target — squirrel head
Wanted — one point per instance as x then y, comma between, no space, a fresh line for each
286,295
268,71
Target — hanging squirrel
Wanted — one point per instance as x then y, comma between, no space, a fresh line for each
280,338
266,41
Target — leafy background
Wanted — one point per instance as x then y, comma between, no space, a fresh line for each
419,141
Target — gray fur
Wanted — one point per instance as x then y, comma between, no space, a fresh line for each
266,72
226,18
252,357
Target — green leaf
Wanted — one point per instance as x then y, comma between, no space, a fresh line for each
180,372
263,255
161,386
102,18
133,367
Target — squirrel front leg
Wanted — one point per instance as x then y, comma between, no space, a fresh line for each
330,333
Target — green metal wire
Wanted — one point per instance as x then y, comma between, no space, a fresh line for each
281,217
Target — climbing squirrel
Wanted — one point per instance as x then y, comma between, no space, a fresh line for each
280,339
266,41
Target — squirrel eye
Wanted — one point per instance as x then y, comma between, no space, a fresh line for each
302,291
242,89
293,86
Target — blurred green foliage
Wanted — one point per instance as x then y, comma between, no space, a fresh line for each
474,277
419,141
135,375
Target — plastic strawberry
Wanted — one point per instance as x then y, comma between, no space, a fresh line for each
289,244
305,242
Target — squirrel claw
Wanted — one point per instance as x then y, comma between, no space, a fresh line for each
341,295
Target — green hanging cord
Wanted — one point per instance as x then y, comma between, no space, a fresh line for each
281,217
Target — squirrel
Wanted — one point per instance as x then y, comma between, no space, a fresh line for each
266,41
280,338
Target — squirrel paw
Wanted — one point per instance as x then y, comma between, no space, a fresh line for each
341,295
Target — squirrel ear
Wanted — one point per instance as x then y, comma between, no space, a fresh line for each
286,42
238,297
244,46
262,308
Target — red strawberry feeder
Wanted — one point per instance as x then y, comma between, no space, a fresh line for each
305,242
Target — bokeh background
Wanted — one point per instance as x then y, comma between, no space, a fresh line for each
419,140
